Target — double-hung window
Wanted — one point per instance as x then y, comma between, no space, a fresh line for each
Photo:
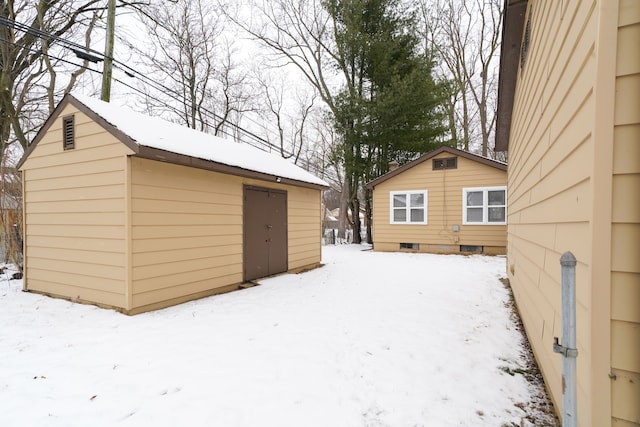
484,205
408,207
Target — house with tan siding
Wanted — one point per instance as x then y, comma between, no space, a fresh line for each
135,213
445,201
569,118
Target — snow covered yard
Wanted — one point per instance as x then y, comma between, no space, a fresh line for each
370,339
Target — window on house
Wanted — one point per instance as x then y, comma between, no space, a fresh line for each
445,163
68,133
408,207
484,205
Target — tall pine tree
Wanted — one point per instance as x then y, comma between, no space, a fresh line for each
390,107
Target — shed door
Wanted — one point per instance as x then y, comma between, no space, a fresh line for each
265,232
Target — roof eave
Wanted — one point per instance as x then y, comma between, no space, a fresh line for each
70,99
444,149
157,154
513,25
43,130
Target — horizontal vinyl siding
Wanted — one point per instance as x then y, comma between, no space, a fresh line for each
625,239
304,229
549,188
444,207
304,213
74,214
186,231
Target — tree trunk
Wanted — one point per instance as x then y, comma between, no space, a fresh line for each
357,226
344,207
368,214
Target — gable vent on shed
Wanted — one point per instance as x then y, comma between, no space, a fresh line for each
68,133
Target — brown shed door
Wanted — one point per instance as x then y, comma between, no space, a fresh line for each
265,232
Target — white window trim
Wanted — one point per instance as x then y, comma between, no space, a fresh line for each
485,205
409,192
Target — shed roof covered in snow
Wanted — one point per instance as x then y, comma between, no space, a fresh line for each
157,139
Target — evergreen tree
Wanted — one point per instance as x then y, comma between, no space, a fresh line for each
390,107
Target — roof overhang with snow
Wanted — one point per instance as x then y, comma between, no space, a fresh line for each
454,151
156,139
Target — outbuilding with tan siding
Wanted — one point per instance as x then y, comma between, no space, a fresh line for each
445,201
569,117
135,213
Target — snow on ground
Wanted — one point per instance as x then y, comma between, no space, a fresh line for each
369,339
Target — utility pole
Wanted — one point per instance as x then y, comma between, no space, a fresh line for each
108,52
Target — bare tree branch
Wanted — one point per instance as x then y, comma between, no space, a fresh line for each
466,36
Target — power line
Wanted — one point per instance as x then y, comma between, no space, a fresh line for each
92,55
52,57
41,34
159,101
162,88
172,107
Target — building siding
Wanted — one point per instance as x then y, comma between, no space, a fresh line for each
444,208
625,236
549,185
106,225
305,225
74,214
574,163
187,230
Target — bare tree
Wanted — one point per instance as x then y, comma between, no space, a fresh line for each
51,92
190,55
300,33
287,112
237,91
31,62
327,156
44,53
466,37
32,55
306,107
11,215
342,48
297,33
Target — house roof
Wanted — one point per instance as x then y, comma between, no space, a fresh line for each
474,157
512,28
157,139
